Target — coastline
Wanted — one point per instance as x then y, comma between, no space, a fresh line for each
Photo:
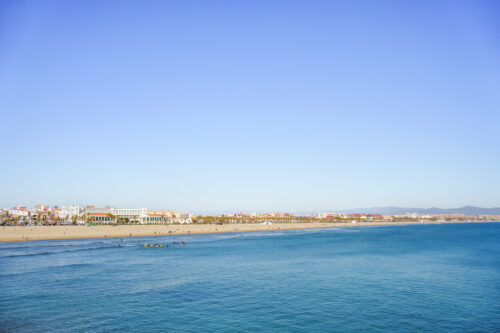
34,233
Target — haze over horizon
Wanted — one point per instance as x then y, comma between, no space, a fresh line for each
226,106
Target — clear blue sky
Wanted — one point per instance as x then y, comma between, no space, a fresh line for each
250,105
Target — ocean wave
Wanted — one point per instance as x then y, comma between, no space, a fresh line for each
7,246
66,251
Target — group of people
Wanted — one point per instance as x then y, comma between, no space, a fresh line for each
155,245
161,245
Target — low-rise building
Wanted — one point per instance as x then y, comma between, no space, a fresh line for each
71,210
108,214
157,217
42,208
490,218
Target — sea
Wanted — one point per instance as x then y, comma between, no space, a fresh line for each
402,278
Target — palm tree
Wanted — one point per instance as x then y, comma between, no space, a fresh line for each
110,217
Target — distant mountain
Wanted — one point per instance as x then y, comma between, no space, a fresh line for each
467,210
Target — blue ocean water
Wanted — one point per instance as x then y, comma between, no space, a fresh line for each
388,278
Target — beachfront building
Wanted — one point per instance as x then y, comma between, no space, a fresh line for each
165,216
42,208
326,215
130,214
490,218
158,217
72,210
104,215
21,214
109,214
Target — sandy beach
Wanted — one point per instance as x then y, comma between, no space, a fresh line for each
33,233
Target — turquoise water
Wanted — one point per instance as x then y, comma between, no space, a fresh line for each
393,278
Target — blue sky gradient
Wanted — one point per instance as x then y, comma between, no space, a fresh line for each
257,105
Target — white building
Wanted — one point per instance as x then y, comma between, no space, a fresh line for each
132,214
71,210
93,210
20,213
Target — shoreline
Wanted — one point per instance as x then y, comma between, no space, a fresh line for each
34,233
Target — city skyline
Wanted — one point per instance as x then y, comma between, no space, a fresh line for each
282,106
386,210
